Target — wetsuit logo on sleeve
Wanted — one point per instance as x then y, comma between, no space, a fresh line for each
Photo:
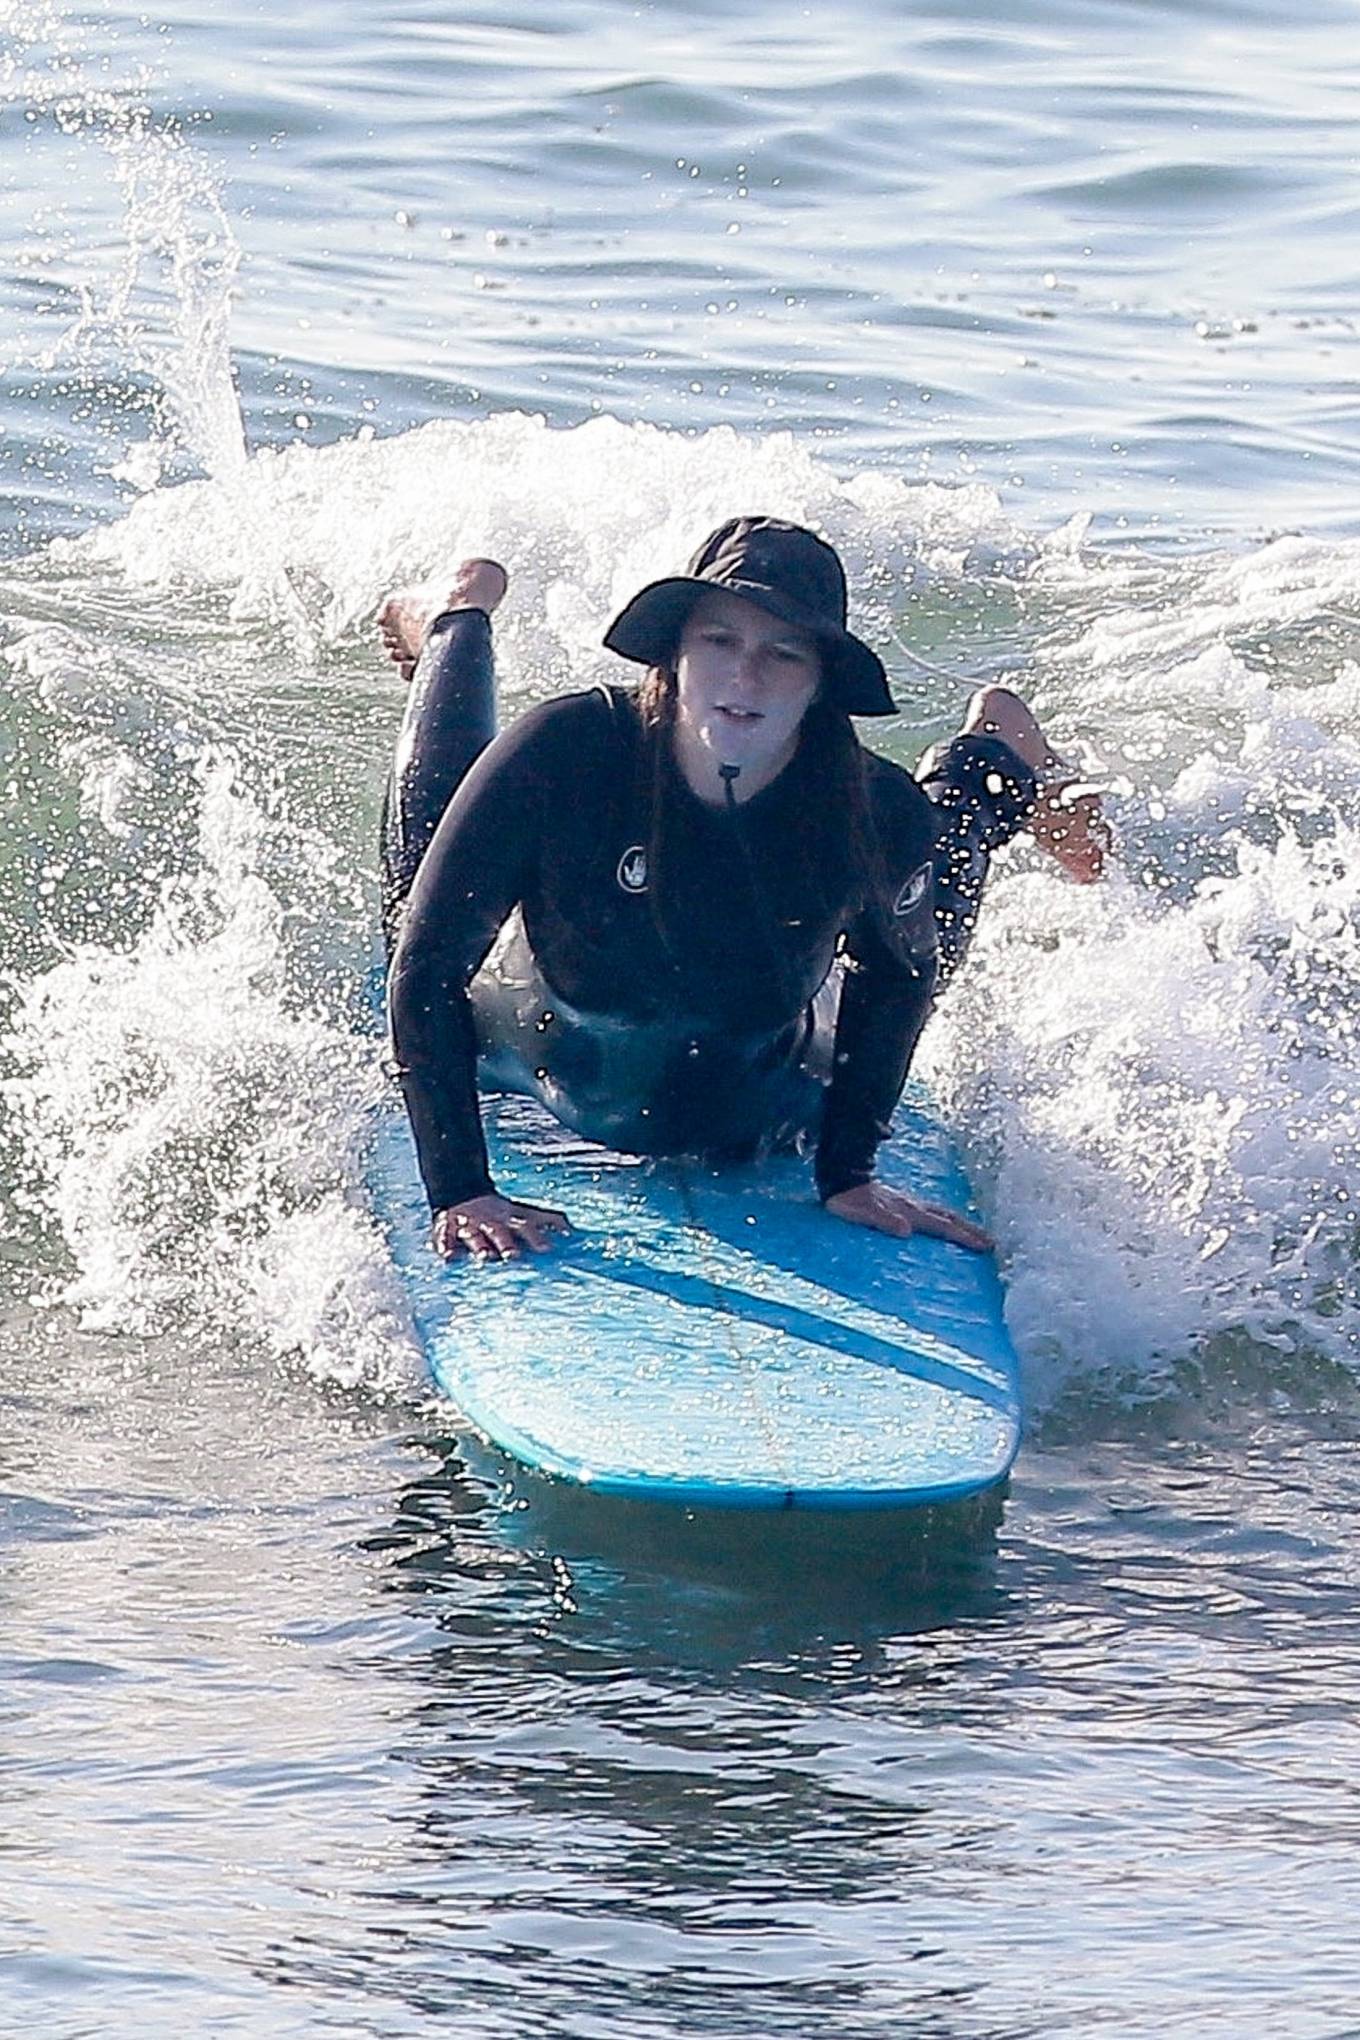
632,871
913,891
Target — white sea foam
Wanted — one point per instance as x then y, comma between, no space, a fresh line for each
582,516
192,1123
1163,1070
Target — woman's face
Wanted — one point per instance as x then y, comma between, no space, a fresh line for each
744,681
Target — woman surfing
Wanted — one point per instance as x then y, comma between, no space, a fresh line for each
696,916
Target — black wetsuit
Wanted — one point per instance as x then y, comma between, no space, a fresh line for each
763,1004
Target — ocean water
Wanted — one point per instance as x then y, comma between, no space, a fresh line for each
318,1720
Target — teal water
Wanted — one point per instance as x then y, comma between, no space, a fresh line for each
315,1719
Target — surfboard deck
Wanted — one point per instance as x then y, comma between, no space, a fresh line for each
714,1338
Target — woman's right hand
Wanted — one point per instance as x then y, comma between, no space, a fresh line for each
495,1228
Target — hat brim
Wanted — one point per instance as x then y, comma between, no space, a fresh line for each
647,630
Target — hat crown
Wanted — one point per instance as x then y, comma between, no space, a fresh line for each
787,559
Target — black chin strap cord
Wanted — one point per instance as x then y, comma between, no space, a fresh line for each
729,775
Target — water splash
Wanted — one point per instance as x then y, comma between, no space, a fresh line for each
1171,1104
167,309
141,304
191,1120
147,294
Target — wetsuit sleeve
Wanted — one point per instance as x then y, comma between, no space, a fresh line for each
481,859
891,967
885,1002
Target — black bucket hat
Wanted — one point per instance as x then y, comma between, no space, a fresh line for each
783,568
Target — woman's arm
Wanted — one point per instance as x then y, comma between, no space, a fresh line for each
890,978
885,1002
480,862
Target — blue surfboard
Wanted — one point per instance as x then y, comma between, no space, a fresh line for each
714,1338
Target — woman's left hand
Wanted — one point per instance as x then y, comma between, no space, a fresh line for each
886,1210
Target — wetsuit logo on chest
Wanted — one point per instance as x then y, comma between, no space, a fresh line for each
913,891
632,871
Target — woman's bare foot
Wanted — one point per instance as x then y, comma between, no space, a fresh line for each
1067,822
405,618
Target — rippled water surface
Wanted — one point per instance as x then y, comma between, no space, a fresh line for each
316,1717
